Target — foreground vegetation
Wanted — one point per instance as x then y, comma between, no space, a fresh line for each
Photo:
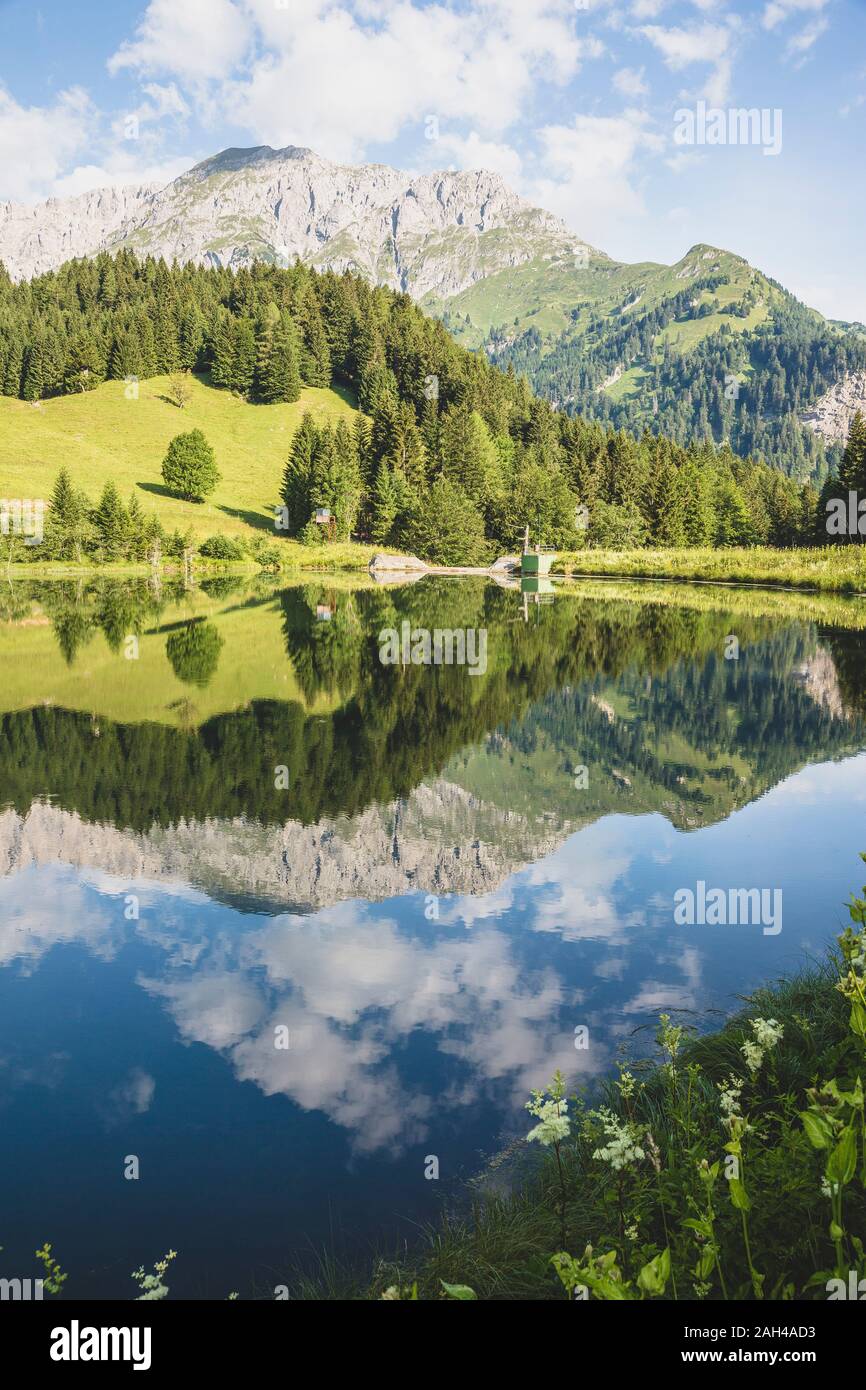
834,569
732,1167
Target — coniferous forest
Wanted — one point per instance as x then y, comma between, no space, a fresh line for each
448,456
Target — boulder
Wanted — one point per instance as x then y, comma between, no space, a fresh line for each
401,563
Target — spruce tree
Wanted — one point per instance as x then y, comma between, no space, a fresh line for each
136,530
279,376
244,366
14,368
298,473
33,383
315,359
852,470
111,523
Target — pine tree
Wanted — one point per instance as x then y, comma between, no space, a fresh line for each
111,523
385,505
63,515
405,451
136,530
698,512
14,368
83,369
244,366
467,453
223,352
362,449
297,477
852,470
33,383
315,357
190,336
665,506
279,376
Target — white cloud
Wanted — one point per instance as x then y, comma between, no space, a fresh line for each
630,82
119,174
199,39
684,159
338,77
591,170
799,44
705,43
471,152
702,43
38,142
647,9
777,11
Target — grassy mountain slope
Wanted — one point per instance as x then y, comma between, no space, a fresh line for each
557,295
707,349
102,434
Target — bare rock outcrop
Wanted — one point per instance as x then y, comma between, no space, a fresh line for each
831,416
427,234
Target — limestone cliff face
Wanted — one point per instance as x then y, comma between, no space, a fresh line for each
439,839
432,233
831,416
40,238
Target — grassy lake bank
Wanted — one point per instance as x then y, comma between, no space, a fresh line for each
722,1168
836,569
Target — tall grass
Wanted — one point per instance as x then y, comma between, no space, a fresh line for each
835,569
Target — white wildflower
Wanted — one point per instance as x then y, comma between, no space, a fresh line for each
768,1032
754,1056
622,1147
554,1123
730,1099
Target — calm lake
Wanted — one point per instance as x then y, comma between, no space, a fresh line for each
283,923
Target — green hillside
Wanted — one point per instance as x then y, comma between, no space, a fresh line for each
102,434
447,457
708,349
555,295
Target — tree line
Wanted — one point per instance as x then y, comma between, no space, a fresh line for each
449,456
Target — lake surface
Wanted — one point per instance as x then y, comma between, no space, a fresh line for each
227,825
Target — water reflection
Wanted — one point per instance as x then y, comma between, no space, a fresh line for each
430,909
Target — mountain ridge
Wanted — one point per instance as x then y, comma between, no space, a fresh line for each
708,349
410,232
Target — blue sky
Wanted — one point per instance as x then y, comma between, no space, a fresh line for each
575,102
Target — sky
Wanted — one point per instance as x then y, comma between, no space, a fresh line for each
579,104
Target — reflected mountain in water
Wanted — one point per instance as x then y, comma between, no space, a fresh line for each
162,765
169,902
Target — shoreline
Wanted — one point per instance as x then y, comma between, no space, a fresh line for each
840,571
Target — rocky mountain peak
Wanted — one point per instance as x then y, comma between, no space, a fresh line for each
429,233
